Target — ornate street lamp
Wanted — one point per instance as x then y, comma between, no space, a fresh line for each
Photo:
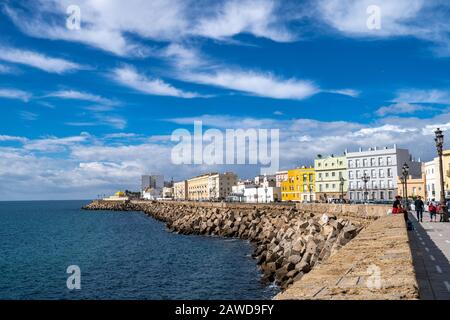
365,178
342,187
405,174
439,139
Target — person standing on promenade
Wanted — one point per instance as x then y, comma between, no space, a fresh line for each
398,209
419,206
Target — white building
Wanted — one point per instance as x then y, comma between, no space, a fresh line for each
281,176
151,194
383,167
261,190
433,183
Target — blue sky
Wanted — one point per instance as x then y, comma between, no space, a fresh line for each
85,112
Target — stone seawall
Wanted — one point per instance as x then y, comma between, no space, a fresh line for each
377,264
289,242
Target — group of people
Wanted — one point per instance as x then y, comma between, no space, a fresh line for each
434,208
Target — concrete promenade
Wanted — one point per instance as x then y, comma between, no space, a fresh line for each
430,246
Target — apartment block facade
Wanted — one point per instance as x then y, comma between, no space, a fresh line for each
382,167
329,172
300,185
211,186
180,190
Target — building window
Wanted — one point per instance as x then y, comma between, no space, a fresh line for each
380,161
389,172
365,163
389,161
373,173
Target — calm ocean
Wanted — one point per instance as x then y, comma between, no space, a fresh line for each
121,256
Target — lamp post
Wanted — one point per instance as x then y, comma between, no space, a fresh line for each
365,178
257,193
342,188
405,173
439,139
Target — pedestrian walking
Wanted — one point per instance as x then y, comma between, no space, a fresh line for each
419,206
433,210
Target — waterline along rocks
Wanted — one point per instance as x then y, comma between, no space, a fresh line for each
288,242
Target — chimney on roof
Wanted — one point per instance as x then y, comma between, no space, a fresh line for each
360,149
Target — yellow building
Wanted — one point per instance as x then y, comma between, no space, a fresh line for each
300,185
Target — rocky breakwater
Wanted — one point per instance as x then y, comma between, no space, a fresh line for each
288,243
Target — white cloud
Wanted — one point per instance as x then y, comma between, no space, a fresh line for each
84,96
254,17
100,119
28,116
107,24
400,108
12,138
351,16
4,69
38,60
345,92
15,94
433,96
191,66
129,77
425,20
55,144
84,166
259,84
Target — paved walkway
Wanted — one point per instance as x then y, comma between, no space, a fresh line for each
430,245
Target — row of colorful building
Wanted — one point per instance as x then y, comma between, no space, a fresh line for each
374,175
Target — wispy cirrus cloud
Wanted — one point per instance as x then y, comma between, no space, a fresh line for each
128,76
106,25
38,60
422,19
8,93
258,17
4,69
254,83
100,119
192,66
400,108
432,96
83,96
